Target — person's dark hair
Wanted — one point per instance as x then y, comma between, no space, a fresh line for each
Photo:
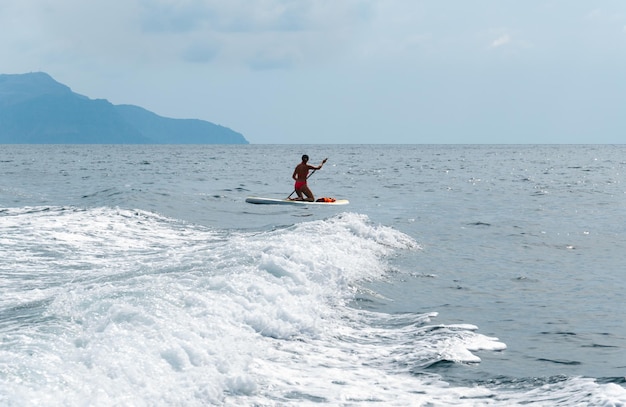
305,158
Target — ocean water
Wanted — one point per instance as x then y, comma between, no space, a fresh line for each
458,275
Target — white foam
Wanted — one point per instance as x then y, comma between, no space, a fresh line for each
116,307
572,392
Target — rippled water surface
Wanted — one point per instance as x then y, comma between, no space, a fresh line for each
481,275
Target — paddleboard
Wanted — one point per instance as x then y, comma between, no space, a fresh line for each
274,201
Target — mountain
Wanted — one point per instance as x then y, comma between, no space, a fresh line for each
36,109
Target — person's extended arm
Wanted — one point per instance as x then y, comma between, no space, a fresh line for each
319,166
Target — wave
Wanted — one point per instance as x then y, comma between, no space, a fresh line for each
107,306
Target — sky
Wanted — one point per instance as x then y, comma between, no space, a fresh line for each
341,71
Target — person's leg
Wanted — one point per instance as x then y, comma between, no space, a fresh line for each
308,193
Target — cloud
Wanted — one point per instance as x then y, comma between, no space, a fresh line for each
200,52
247,16
604,16
264,34
173,17
138,34
501,41
277,59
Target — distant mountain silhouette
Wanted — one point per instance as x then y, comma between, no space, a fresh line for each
36,109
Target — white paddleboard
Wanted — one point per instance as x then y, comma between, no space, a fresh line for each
273,201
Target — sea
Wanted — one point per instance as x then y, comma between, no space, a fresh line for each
458,275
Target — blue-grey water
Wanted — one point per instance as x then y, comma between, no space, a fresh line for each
458,275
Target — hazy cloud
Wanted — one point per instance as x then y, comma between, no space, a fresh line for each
200,53
605,16
280,56
264,34
174,17
501,41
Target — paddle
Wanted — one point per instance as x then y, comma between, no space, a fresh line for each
307,177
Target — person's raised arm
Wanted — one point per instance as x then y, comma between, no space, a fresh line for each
320,166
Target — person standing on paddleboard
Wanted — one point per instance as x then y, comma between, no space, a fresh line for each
300,174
